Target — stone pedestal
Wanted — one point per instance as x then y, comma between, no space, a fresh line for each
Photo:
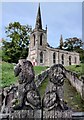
4,116
67,114
26,114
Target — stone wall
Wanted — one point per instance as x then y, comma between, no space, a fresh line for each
76,82
41,77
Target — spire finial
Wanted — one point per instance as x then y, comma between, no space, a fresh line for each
38,19
61,42
46,27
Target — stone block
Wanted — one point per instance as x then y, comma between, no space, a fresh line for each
67,114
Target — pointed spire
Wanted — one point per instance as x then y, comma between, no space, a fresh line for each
61,38
46,27
38,19
61,42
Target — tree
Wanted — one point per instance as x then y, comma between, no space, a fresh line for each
16,45
75,44
72,44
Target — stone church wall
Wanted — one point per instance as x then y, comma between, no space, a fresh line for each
49,57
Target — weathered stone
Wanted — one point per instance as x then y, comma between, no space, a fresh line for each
53,105
54,114
29,97
54,95
42,54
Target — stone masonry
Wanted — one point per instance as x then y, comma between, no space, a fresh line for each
41,53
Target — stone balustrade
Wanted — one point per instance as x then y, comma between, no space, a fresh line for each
41,77
76,82
71,76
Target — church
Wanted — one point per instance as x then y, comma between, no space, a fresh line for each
41,54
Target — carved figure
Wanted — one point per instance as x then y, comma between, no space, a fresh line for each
53,98
7,97
28,94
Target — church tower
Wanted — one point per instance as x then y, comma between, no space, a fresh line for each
38,42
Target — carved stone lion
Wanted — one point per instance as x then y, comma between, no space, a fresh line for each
53,98
28,94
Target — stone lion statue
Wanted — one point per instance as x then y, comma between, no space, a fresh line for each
28,95
53,98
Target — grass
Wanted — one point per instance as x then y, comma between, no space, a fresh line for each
8,77
43,86
76,68
39,69
72,97
7,73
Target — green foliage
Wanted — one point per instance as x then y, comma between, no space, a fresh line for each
17,44
73,43
8,77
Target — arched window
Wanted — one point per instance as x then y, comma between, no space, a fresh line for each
54,57
69,60
75,60
34,40
41,40
41,57
62,59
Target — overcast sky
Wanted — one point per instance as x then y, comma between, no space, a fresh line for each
61,18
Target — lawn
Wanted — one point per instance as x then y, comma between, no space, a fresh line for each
8,73
76,68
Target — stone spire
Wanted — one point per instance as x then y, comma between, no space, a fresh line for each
61,42
38,19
